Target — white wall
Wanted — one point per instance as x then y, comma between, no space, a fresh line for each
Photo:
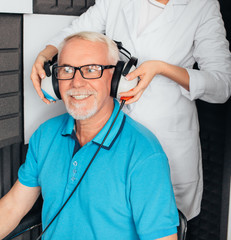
16,6
38,29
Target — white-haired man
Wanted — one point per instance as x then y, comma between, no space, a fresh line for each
126,192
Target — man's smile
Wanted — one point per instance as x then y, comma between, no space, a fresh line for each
81,96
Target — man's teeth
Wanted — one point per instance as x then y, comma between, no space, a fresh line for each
82,96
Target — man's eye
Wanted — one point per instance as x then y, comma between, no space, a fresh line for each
68,70
92,69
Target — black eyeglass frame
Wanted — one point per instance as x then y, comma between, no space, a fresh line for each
103,67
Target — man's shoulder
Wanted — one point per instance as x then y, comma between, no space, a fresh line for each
142,134
51,126
55,121
136,126
141,145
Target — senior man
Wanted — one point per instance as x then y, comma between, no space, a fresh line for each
116,188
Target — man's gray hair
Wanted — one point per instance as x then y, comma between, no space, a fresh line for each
113,52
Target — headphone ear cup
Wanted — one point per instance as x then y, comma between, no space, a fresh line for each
116,78
50,87
124,85
55,83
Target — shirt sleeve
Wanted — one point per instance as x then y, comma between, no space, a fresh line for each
152,199
94,19
212,83
28,172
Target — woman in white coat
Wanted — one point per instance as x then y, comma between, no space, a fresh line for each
168,37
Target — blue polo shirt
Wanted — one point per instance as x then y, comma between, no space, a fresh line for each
126,194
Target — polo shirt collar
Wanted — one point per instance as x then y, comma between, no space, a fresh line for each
114,133
68,126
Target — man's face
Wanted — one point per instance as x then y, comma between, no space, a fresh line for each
85,98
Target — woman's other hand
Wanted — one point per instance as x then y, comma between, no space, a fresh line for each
38,72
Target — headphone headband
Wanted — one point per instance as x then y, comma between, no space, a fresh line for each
122,50
132,62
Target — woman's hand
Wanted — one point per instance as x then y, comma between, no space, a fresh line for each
148,70
38,73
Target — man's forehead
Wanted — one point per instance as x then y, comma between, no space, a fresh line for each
80,49
81,46
84,43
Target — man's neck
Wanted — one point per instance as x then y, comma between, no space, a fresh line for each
87,129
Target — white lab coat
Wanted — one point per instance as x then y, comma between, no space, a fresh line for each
185,32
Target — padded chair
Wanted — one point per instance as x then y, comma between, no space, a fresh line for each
182,228
32,221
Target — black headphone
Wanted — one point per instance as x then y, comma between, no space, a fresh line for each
119,83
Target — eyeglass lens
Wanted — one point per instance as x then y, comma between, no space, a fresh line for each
88,71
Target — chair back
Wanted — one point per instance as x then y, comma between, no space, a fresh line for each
182,228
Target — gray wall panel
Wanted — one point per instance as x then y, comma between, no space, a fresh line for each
10,79
9,83
62,7
10,127
11,158
9,105
10,29
6,168
9,61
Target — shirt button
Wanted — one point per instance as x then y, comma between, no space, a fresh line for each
73,179
74,171
75,163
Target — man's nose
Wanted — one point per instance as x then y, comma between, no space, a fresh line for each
78,79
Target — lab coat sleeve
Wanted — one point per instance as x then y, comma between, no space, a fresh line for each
212,83
93,19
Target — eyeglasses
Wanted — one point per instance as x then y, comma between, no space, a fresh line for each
91,71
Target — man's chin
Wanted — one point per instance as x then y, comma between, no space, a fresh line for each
81,114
